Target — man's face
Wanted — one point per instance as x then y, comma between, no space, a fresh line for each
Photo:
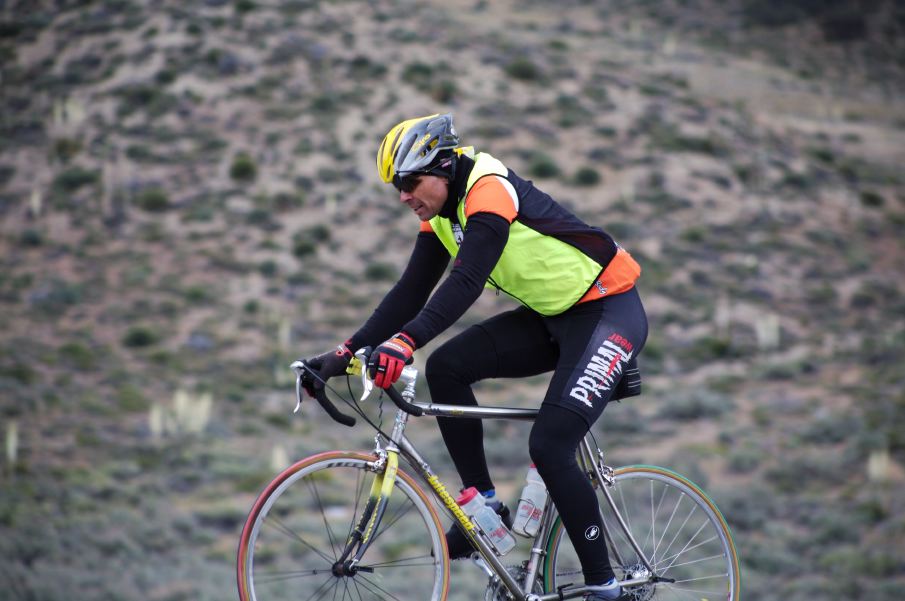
427,196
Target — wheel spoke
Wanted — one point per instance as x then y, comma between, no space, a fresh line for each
278,525
671,520
307,519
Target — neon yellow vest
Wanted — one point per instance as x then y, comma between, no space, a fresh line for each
540,271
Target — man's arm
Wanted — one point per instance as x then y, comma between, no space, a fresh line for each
425,268
482,245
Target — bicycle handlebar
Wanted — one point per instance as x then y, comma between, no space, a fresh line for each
400,402
303,370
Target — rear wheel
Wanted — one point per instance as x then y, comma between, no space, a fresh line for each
679,530
296,531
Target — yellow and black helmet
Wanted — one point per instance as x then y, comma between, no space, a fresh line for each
416,146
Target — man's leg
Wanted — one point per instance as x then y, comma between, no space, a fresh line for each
596,340
512,344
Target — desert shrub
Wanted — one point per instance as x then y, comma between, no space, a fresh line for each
268,268
586,176
146,97
6,173
153,200
74,178
418,74
793,474
302,247
745,460
243,168
305,241
829,428
30,238
380,272
197,294
872,199
569,111
140,336
363,68
444,91
244,6
698,404
130,398
54,296
543,166
523,69
77,355
65,149
287,201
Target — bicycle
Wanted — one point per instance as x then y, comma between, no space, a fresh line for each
354,525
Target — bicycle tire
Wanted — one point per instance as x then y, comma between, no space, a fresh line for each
300,522
677,526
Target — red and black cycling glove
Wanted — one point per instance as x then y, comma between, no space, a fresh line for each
327,365
388,359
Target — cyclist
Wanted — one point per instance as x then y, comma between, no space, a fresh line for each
580,317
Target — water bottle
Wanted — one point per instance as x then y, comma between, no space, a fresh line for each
530,505
475,505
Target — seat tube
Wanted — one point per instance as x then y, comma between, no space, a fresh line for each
605,482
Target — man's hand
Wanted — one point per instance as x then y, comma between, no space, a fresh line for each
388,359
327,365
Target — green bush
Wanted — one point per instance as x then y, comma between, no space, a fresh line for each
65,149
74,178
377,272
153,200
147,97
543,166
523,69
6,173
418,74
243,168
30,238
140,337
586,176
872,199
77,355
130,398
696,405
245,6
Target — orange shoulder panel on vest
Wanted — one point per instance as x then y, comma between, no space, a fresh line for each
490,195
426,227
619,276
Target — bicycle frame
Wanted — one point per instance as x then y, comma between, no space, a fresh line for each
493,565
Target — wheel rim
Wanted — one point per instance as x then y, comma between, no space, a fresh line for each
677,527
298,533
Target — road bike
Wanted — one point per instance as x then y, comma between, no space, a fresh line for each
356,525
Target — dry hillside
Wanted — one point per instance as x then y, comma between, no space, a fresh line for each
188,202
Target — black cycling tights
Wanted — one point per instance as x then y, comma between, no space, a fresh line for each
587,348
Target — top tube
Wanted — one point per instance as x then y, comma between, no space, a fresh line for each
478,412
409,377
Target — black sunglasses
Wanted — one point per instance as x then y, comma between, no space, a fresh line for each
408,183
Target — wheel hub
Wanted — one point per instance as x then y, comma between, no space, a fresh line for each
645,592
496,591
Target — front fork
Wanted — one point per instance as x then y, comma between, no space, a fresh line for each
386,466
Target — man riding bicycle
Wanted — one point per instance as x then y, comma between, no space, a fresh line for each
581,317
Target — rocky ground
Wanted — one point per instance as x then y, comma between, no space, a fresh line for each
188,202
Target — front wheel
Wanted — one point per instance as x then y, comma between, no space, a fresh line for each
678,528
297,530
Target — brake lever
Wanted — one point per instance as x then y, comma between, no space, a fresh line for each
367,384
299,368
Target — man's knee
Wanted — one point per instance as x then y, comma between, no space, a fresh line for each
449,363
554,439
